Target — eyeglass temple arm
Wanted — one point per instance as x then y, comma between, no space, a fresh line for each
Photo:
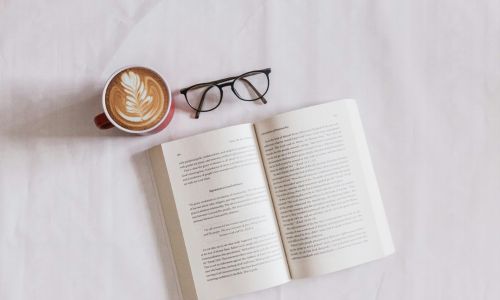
264,100
197,115
184,90
267,71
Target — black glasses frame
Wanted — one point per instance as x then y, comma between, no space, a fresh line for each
229,81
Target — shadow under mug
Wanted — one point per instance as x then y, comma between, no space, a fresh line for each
105,121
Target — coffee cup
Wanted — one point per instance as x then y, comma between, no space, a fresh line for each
136,100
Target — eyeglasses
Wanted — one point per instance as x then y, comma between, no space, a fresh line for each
250,86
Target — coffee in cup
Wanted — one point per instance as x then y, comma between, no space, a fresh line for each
136,100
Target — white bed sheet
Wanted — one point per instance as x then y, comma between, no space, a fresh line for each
79,216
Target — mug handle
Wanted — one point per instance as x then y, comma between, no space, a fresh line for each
102,122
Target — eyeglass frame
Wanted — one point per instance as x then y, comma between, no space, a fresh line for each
221,83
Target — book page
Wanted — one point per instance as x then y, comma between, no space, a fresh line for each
225,212
323,187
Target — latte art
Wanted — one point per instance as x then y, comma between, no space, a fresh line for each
137,99
139,104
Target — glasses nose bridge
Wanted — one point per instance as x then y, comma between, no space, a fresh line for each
223,85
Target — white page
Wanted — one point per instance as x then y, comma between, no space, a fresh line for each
225,212
324,189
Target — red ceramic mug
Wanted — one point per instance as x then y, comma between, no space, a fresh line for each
136,100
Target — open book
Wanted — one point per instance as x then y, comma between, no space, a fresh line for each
253,206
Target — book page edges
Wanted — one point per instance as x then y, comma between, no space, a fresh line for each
171,219
371,180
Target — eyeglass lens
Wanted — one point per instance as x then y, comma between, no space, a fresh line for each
251,86
204,97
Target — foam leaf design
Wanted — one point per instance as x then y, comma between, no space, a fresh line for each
138,102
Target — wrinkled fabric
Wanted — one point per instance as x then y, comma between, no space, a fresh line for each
79,213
